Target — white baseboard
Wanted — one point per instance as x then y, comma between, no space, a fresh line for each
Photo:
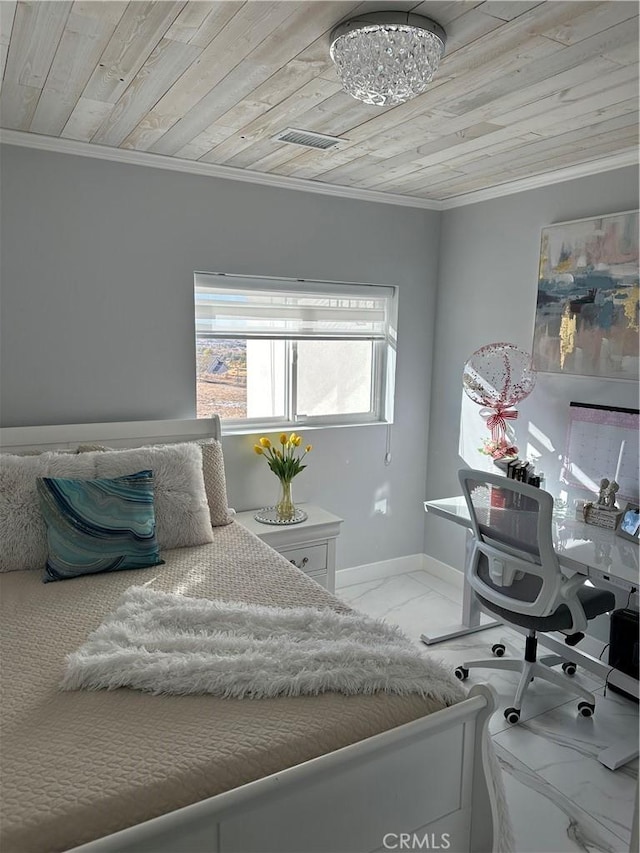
442,570
379,571
398,566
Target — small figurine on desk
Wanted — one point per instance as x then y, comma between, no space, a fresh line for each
602,496
610,495
604,511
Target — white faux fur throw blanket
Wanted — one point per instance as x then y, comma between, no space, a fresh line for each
166,643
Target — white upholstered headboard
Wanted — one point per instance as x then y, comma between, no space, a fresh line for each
123,434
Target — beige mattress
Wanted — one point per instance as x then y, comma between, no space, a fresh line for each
78,766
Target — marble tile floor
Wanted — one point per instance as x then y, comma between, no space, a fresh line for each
560,797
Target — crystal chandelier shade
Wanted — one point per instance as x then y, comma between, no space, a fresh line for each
387,58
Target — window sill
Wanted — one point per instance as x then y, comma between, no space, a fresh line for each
254,429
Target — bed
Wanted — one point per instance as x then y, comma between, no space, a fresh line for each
121,770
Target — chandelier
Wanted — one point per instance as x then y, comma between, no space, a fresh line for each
387,58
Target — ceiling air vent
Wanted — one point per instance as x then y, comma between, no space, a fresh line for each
307,138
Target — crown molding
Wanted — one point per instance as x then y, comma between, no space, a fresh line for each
212,170
628,157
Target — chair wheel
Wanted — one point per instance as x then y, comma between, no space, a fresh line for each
461,672
512,715
498,650
586,709
569,668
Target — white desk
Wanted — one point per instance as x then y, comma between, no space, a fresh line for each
582,548
600,555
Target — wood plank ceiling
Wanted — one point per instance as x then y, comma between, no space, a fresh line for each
525,88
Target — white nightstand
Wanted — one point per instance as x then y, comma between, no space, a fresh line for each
310,545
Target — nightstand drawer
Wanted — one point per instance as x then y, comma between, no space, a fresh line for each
311,559
310,545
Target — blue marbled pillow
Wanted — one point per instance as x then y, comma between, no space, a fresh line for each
102,525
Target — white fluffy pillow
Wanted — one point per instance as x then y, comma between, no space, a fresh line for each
215,484
23,534
182,511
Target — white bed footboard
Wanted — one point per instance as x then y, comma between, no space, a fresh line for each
425,785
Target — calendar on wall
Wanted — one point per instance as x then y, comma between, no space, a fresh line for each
602,441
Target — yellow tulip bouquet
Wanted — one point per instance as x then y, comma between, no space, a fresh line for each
286,463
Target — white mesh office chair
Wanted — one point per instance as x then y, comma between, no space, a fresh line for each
515,574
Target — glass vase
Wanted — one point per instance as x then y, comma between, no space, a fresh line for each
285,508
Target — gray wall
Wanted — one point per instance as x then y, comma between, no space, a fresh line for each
487,292
97,316
96,319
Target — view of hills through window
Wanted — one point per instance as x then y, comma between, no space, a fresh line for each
221,378
253,379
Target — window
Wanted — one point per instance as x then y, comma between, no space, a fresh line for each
281,352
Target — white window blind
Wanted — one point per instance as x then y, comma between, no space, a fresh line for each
241,306
282,352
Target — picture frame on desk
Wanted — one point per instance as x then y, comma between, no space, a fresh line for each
629,524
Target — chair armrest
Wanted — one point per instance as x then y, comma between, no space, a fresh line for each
568,593
570,586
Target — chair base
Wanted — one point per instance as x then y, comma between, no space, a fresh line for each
530,668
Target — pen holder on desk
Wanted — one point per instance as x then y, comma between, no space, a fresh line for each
506,499
498,498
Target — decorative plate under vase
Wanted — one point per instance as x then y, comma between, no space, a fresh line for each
269,515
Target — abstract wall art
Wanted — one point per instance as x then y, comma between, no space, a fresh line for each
587,309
